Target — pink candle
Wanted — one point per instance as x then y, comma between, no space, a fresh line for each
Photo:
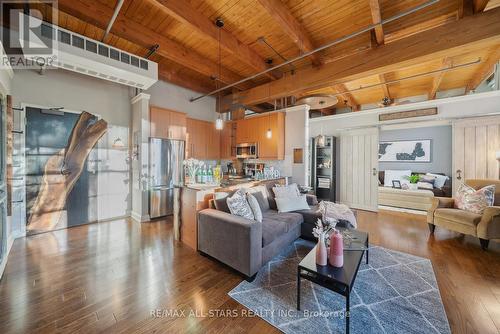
336,250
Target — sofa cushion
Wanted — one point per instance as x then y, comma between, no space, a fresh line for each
311,215
458,216
221,204
275,224
261,198
272,229
291,218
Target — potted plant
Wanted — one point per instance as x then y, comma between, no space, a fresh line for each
414,178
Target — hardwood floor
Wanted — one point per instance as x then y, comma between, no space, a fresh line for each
111,276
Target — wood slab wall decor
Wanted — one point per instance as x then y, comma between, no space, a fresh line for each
407,114
62,171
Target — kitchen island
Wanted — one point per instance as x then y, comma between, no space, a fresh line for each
196,197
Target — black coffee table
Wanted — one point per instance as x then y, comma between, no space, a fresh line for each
339,280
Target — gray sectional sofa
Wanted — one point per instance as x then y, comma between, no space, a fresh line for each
246,245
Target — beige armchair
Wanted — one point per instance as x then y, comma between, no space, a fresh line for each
486,226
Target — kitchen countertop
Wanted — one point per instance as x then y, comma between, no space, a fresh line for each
226,184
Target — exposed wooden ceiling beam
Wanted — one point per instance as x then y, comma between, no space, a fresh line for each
465,8
346,96
96,13
377,18
484,71
438,78
385,87
459,37
480,5
291,26
184,12
181,80
420,27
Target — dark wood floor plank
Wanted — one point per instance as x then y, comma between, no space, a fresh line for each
108,277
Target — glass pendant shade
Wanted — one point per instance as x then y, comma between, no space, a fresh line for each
320,141
219,123
269,134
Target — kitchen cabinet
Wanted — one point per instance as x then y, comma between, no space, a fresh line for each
228,141
203,140
254,129
242,131
167,124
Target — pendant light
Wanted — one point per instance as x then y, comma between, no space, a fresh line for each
219,122
320,139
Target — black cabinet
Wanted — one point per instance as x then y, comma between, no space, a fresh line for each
323,168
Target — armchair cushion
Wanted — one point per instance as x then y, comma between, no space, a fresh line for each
458,216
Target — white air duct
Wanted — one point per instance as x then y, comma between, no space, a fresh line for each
87,56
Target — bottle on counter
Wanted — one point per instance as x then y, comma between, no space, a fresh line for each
197,176
204,175
210,175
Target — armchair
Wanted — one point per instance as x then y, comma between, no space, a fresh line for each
486,227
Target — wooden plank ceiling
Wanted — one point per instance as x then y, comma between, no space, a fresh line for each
188,42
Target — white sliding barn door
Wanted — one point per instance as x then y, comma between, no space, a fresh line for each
359,169
475,143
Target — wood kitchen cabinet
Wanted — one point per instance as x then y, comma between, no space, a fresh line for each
203,140
228,141
272,148
167,124
254,129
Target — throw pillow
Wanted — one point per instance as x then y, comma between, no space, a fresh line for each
221,204
399,175
440,180
238,205
425,185
289,191
260,192
427,179
472,200
220,200
290,204
255,206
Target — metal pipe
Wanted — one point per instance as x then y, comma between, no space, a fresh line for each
113,18
321,48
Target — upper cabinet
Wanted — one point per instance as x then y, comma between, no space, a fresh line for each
203,140
167,124
254,129
228,141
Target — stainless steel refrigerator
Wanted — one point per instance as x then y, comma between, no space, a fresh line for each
166,172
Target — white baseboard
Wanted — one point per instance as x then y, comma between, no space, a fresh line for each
392,208
139,218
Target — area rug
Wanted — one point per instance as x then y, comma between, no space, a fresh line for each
395,293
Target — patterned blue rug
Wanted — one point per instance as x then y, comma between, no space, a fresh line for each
395,293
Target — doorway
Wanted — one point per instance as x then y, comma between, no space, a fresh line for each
358,168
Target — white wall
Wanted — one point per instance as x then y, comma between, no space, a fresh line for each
73,91
111,101
169,96
297,136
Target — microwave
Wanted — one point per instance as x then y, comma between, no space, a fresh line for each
246,150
